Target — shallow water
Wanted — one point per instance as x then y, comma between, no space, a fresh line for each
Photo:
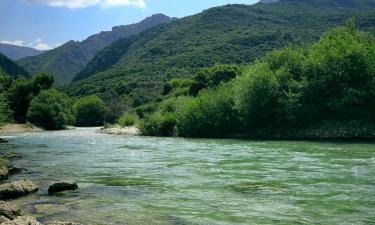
143,180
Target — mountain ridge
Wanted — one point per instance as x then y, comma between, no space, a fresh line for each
15,52
67,60
228,34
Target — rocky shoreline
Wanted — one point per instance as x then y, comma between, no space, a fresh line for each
117,130
11,214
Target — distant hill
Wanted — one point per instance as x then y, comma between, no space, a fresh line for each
11,68
67,60
15,52
136,68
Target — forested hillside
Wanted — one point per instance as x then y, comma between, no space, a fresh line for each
11,68
134,71
67,60
323,91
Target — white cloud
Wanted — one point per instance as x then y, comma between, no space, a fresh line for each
73,4
37,44
16,42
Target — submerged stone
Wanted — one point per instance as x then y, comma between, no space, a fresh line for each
4,172
17,189
63,223
15,169
3,140
22,220
62,186
9,211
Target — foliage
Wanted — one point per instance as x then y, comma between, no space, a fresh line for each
11,68
90,111
289,90
138,68
128,119
213,76
51,110
22,91
210,114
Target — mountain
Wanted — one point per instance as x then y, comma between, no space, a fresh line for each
11,68
15,52
135,69
67,60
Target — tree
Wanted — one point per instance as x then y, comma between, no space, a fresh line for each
340,74
90,111
51,110
23,91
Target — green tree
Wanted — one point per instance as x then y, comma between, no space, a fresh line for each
340,74
51,110
23,91
90,111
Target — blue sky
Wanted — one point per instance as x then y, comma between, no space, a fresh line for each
44,24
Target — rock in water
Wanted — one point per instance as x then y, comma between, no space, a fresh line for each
9,211
62,186
3,140
15,169
63,223
4,172
22,220
17,189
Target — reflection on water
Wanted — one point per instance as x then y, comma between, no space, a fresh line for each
142,180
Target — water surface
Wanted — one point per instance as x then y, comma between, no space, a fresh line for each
143,180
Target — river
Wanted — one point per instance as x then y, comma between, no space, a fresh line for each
145,180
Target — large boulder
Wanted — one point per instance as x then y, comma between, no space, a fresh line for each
9,211
22,220
17,189
62,186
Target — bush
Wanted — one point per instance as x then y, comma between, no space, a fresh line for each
210,114
22,91
158,124
51,110
128,119
340,74
90,111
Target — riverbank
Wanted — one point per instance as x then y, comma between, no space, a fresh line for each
11,213
118,130
19,128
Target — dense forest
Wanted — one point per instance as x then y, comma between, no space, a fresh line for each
279,85
326,90
133,71
35,100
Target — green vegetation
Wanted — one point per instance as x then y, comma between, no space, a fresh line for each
90,111
331,82
5,112
11,68
51,110
22,91
138,69
66,61
128,119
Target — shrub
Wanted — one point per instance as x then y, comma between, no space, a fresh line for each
210,114
89,111
158,124
128,119
51,110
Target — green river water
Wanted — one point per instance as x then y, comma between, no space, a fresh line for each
144,180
